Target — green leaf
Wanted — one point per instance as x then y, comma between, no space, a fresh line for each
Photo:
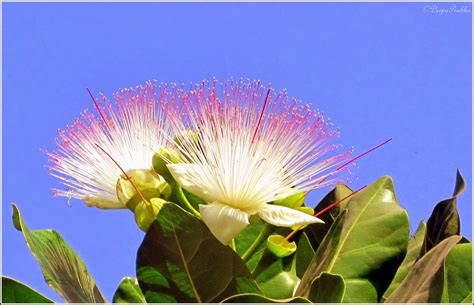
424,282
17,292
128,291
180,260
248,236
444,220
458,275
256,298
365,242
360,291
303,256
63,269
275,276
413,250
327,288
316,232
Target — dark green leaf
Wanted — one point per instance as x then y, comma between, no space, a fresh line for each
180,260
316,232
128,291
413,250
444,221
63,269
360,291
17,292
424,282
366,242
327,288
256,298
276,276
458,275
304,254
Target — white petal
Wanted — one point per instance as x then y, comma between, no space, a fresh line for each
285,217
223,221
187,175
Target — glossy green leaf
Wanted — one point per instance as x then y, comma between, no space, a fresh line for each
424,282
128,291
14,291
360,291
276,276
246,239
413,250
256,298
444,220
180,260
279,246
458,275
63,269
316,232
304,254
366,242
327,288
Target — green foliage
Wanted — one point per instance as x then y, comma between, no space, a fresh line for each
361,254
424,282
256,298
327,288
458,275
181,261
128,291
63,269
413,251
444,221
16,292
371,235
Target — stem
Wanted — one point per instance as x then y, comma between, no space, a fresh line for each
232,245
182,199
266,231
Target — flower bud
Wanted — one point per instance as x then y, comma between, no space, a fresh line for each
149,183
146,212
186,138
159,162
292,201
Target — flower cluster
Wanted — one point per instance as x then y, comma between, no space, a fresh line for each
239,147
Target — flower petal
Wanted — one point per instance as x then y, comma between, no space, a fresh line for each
223,221
285,217
188,176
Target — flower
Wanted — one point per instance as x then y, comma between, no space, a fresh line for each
253,147
91,151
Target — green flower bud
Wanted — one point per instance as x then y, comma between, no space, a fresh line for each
159,163
293,201
148,183
146,212
279,246
187,136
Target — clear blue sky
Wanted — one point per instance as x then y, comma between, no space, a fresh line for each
378,70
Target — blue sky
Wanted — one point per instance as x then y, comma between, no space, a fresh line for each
377,70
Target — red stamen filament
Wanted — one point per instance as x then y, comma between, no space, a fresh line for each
261,115
353,159
96,105
322,212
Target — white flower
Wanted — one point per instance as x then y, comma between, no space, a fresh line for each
128,131
249,155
